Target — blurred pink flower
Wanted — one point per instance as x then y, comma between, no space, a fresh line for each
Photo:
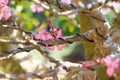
66,1
105,10
51,48
114,4
60,46
5,12
3,3
111,65
43,35
55,32
36,8
88,64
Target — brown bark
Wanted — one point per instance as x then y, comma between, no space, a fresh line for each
85,25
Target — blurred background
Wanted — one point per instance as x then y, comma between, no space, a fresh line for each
33,16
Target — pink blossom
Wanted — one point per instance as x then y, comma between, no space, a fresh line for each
111,65
5,12
51,48
66,1
58,32
60,46
36,8
55,32
43,35
105,10
87,64
3,3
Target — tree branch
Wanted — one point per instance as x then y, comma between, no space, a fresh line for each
91,5
14,41
60,4
68,39
13,52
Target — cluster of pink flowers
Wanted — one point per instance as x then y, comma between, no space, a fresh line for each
43,35
5,11
111,65
36,8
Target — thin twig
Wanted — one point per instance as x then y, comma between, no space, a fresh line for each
13,52
14,41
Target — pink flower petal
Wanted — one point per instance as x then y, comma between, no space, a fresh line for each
33,8
117,60
40,9
59,47
36,36
7,12
105,10
88,63
107,61
58,33
51,48
116,63
66,1
110,72
36,8
3,3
